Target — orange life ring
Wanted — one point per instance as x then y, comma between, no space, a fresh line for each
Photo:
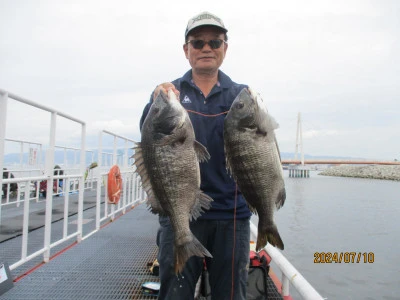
114,184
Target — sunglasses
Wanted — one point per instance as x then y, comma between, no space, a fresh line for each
199,44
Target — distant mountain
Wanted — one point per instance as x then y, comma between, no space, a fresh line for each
59,157
72,156
290,155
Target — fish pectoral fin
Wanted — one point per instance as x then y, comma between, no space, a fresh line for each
177,137
280,200
154,205
201,152
202,203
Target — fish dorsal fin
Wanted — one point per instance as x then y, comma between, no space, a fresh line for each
201,151
228,165
266,122
277,149
203,202
152,201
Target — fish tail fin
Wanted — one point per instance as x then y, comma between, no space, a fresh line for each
271,235
187,250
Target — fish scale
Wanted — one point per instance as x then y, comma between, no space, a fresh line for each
167,160
253,158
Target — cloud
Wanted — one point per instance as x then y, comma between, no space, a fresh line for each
336,62
319,133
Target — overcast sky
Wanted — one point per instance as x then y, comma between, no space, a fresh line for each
336,62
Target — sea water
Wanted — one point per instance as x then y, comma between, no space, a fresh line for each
324,216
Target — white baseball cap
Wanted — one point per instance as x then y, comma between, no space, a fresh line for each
205,19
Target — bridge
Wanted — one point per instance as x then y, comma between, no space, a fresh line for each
337,162
302,161
297,167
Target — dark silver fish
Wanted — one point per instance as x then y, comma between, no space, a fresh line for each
254,160
167,160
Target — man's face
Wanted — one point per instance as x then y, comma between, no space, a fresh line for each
205,60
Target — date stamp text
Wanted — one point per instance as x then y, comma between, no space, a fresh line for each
344,257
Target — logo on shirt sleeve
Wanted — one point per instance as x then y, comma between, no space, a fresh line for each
186,99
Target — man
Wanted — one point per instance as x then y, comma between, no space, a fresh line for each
207,94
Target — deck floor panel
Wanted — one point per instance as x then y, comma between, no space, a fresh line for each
111,264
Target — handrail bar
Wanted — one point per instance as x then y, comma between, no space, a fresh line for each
120,136
46,108
37,178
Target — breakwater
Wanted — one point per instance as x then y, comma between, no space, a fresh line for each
368,171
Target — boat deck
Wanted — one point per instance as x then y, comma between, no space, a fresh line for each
110,264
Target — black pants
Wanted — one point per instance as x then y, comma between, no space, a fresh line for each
219,238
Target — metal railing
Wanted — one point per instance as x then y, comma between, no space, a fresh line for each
289,273
76,180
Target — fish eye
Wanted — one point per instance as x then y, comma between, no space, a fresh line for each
239,105
156,110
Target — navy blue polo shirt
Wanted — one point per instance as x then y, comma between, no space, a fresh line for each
207,115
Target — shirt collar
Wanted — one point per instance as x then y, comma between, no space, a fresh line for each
224,80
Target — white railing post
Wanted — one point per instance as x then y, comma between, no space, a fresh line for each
66,206
21,155
126,154
285,286
99,181
81,182
49,191
115,151
3,118
25,222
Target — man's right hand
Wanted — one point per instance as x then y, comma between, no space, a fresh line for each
165,87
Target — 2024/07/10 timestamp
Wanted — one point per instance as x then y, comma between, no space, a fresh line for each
345,257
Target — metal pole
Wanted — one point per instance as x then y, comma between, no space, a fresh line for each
297,137
115,151
301,141
21,155
66,207
81,182
99,180
49,191
25,222
3,118
125,181
285,287
126,155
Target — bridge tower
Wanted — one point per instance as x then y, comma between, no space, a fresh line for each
299,140
299,170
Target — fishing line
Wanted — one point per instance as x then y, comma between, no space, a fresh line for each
205,115
234,213
234,245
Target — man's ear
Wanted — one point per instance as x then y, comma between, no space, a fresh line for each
186,49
